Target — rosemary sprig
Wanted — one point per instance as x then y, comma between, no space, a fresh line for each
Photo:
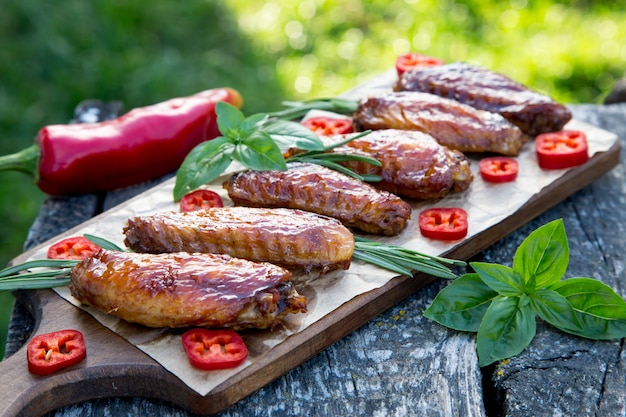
46,273
9,271
55,274
402,260
104,243
297,109
329,159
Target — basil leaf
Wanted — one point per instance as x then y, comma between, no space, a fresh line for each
543,256
229,118
203,164
260,152
500,278
251,124
592,296
601,311
554,308
508,326
291,134
462,304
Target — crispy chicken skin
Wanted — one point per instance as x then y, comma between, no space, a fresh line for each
453,124
183,289
532,112
289,238
413,164
321,190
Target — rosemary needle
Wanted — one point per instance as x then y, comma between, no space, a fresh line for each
402,260
298,109
56,274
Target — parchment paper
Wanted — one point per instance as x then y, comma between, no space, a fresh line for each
486,204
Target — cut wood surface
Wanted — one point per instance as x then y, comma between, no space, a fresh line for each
377,355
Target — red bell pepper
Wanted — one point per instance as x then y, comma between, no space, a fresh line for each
214,349
51,352
74,247
443,223
141,145
200,199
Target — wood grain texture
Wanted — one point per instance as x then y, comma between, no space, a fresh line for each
376,356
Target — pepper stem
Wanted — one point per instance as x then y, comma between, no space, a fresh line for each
25,161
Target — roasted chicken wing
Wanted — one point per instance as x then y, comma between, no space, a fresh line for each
324,191
183,289
290,238
453,124
483,89
413,164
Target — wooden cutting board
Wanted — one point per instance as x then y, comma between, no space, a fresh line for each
114,367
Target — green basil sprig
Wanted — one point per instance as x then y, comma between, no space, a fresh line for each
256,142
501,303
253,141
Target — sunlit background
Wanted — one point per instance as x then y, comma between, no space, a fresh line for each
571,50
55,54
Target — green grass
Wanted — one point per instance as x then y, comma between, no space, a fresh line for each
55,54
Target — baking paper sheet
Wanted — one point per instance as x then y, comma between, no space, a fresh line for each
327,293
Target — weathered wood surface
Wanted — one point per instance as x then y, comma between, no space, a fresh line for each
559,374
402,364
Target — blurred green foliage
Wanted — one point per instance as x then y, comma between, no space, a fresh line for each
55,54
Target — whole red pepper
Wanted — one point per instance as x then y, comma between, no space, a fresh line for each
141,145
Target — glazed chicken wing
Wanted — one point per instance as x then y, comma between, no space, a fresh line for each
324,191
532,112
413,164
183,289
453,124
290,238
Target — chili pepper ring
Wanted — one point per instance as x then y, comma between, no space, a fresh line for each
51,352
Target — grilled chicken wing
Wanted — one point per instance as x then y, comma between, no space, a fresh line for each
413,164
183,289
324,191
479,87
453,124
290,238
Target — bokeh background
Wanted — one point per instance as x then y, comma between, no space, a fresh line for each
55,54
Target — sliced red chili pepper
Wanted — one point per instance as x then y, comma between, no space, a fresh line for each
498,169
75,247
51,352
328,126
562,149
413,60
200,199
214,349
443,223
